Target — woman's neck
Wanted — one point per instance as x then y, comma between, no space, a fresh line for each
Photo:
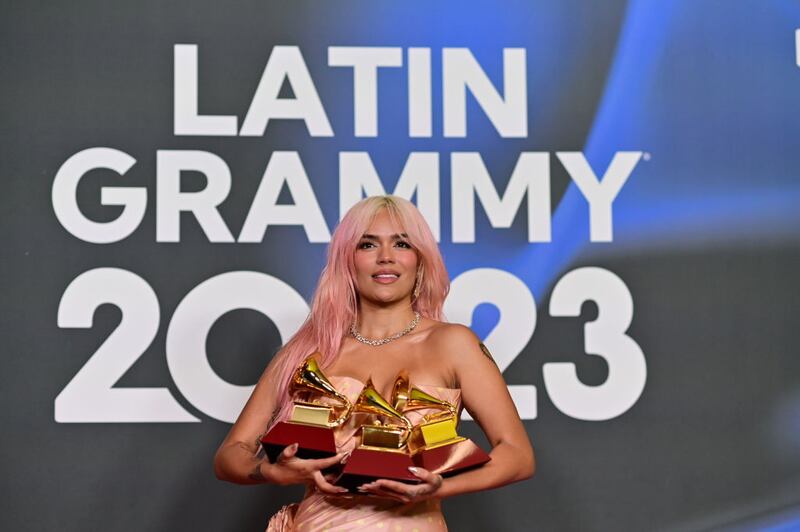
379,322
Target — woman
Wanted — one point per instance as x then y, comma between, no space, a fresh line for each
377,311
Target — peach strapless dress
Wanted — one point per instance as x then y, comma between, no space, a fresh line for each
334,513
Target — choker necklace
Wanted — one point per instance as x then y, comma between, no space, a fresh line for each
380,341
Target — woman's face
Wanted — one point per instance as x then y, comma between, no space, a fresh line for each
386,264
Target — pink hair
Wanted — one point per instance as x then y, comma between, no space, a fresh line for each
335,304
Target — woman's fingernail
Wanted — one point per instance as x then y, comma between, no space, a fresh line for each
414,470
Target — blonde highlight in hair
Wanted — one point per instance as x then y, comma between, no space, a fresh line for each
335,303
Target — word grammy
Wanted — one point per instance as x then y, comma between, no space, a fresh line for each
469,179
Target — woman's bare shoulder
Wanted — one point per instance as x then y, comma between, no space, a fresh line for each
450,331
460,350
454,338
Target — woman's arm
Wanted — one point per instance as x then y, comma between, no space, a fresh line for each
239,458
485,396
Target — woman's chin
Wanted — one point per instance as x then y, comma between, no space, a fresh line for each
386,297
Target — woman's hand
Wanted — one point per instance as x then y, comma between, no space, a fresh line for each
288,469
427,489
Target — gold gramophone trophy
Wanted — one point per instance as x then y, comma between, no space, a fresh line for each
434,443
311,423
383,451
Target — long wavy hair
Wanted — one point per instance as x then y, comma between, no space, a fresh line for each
335,304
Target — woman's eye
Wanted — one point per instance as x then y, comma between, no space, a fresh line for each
367,244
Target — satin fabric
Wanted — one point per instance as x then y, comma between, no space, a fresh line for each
318,512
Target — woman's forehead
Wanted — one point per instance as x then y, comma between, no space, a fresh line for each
384,225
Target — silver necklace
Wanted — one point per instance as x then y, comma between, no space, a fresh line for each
380,341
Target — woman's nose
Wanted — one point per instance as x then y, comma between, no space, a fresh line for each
386,255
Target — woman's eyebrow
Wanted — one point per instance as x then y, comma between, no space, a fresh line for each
394,236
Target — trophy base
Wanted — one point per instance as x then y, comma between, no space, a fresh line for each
450,459
366,465
314,442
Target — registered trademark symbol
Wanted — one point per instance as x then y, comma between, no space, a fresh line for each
646,156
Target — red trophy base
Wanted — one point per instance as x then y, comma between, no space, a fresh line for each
450,459
314,441
366,465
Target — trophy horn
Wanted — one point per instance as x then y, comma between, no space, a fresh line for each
370,401
406,397
310,378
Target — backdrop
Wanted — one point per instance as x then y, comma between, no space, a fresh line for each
613,186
